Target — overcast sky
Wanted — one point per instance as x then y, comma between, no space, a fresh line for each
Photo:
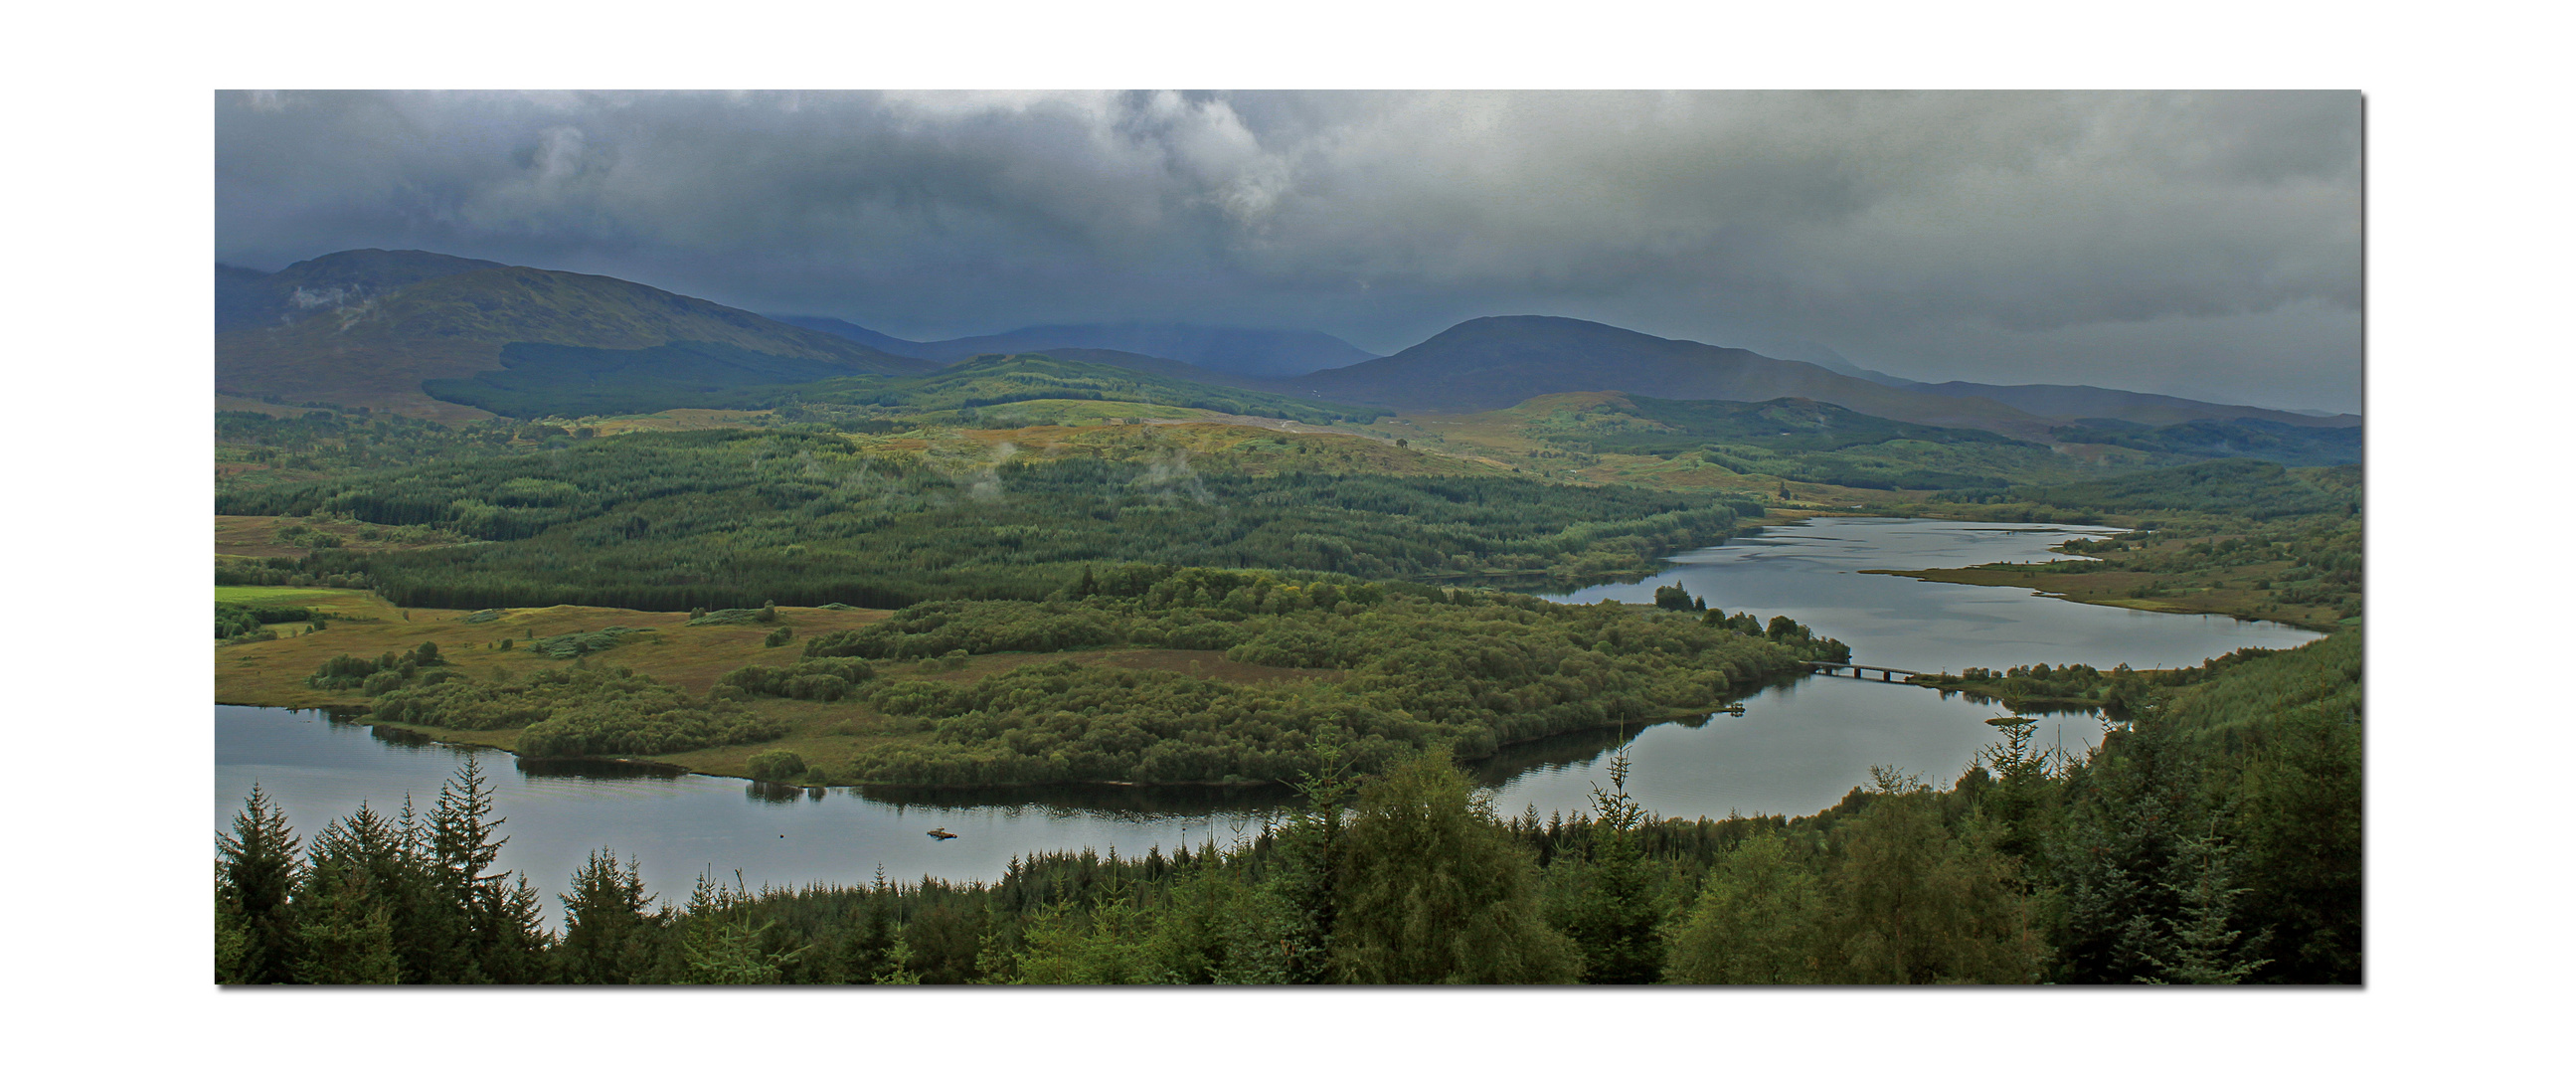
2204,244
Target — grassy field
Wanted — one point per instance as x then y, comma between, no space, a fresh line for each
691,658
261,537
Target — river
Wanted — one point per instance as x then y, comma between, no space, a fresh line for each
1798,748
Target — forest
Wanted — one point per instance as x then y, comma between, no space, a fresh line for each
671,521
2213,838
541,380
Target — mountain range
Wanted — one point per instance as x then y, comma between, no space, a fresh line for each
372,327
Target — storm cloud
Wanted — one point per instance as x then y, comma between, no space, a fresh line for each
2206,244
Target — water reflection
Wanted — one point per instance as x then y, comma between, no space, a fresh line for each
597,768
1133,803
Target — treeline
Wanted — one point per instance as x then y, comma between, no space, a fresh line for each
997,380
2240,488
1796,440
250,621
666,522
2118,691
332,439
2271,441
2215,840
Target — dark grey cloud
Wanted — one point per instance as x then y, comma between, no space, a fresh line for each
2204,243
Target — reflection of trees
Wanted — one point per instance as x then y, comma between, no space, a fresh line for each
1122,803
597,768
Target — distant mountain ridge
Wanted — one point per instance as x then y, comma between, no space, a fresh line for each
1495,362
1241,352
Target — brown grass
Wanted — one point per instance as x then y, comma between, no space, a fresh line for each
256,536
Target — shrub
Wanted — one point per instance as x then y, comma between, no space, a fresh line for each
773,765
825,679
568,646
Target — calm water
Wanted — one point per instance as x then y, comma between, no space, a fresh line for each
318,769
1799,747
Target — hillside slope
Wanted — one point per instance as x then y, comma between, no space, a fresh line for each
377,350
249,298
1495,362
2144,408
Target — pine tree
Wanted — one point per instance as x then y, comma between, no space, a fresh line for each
347,930
1304,887
2199,947
503,938
351,902
1617,920
2117,855
608,938
256,873
867,946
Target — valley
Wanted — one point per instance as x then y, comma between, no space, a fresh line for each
627,535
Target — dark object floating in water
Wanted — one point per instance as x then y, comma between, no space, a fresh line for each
942,833
1736,709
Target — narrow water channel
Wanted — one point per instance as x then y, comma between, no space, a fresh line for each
1799,747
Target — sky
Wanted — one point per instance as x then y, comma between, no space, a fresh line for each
2198,244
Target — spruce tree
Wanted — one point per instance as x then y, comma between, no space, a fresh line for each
503,935
1616,921
347,931
1304,886
608,938
255,882
351,902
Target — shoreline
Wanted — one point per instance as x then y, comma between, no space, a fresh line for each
2103,592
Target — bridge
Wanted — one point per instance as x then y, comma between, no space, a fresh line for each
1858,670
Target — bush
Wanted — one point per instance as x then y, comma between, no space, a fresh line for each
774,765
778,637
824,679
345,673
568,646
